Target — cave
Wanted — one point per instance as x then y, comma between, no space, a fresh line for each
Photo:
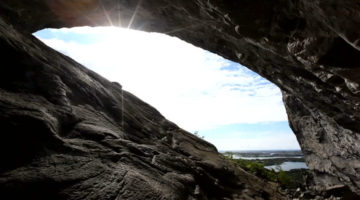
67,134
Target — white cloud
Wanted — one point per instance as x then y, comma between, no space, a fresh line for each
183,82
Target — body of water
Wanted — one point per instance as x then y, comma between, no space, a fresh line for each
287,166
287,160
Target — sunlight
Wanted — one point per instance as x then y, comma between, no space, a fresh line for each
106,14
134,14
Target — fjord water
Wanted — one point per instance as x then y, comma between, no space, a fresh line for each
287,166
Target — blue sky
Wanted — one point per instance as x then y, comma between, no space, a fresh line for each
231,106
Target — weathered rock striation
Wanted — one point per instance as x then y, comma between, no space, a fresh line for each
309,48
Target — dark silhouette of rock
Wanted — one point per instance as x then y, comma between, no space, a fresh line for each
66,117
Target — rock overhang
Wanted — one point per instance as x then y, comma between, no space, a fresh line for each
309,49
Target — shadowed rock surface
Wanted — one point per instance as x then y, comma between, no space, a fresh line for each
309,48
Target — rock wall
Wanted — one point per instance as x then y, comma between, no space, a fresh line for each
309,48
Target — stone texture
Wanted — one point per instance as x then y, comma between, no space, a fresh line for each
309,48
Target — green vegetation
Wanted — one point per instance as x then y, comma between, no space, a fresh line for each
287,179
258,169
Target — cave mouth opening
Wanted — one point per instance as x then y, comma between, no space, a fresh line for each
217,99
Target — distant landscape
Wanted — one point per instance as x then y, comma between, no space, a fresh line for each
272,159
286,168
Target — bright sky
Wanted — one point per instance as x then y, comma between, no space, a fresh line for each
231,106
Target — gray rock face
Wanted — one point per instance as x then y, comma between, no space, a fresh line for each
309,48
